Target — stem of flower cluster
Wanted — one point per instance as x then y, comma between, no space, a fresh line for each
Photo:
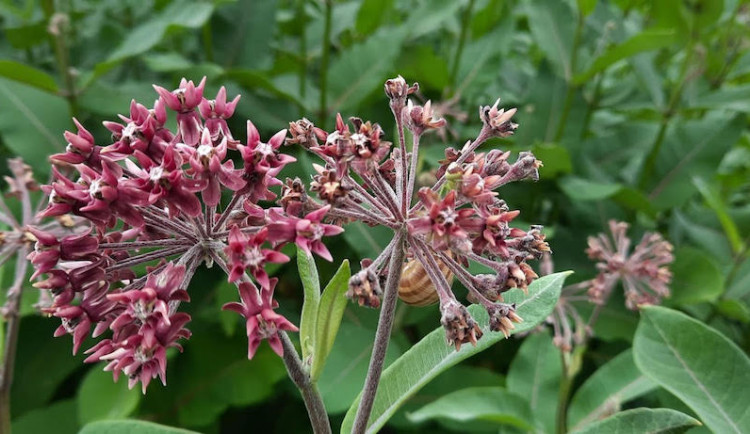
11,339
412,174
227,211
382,336
313,401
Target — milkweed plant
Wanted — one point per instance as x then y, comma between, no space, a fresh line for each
124,226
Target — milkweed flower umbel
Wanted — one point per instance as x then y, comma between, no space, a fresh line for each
457,220
643,273
152,197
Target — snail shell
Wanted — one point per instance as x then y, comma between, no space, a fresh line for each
415,287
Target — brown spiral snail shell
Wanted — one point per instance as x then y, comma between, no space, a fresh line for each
415,287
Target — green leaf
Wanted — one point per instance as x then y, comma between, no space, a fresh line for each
430,16
734,309
55,418
584,189
243,33
225,293
256,80
644,41
727,98
308,273
714,201
362,68
556,159
431,356
346,367
697,364
367,241
585,7
178,15
215,374
535,375
692,148
99,397
643,420
552,25
606,390
32,123
130,427
490,404
330,311
371,15
27,75
34,382
697,277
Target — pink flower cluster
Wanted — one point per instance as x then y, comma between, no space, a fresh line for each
153,197
457,220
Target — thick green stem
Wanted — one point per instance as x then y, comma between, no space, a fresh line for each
571,88
58,28
465,23
324,65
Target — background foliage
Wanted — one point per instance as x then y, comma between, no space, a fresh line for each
639,111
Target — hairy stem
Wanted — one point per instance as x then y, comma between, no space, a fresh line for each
313,401
382,336
133,245
236,198
146,257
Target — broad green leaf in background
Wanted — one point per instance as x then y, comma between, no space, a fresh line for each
556,159
55,418
177,15
131,427
703,368
346,366
226,292
431,356
308,274
430,16
691,148
215,374
27,75
642,420
489,404
644,41
697,277
534,374
584,189
367,241
32,123
256,80
715,202
34,381
552,25
330,311
727,98
603,393
99,397
371,15
363,68
734,309
243,33
585,7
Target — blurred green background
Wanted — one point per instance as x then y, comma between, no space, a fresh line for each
638,109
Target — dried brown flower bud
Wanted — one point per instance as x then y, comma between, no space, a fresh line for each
459,326
364,288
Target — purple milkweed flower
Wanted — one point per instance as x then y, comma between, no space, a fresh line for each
457,220
153,197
